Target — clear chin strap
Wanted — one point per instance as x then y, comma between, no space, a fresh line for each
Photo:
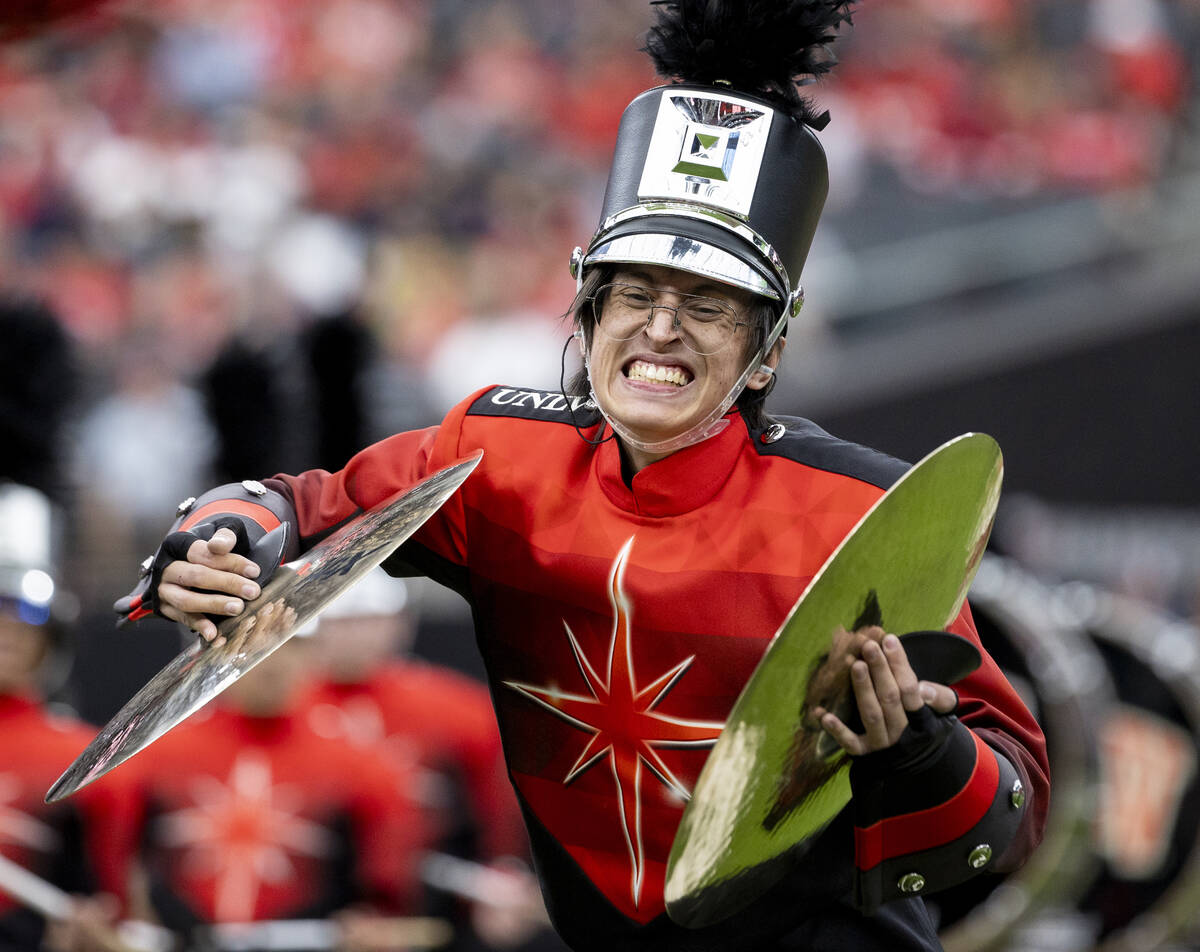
704,429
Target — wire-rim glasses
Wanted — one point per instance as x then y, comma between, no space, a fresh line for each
704,324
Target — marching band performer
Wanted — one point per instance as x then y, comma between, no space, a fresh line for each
85,848
630,544
253,817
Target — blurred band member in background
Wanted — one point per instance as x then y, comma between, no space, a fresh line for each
439,723
83,846
253,817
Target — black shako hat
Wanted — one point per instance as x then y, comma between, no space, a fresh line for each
721,174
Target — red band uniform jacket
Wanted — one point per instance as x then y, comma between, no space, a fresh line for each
618,624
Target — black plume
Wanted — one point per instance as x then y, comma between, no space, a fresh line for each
39,383
768,47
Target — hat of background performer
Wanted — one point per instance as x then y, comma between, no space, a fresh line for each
375,594
28,588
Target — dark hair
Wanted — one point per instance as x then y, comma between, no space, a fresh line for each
761,313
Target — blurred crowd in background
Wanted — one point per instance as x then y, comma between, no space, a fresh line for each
245,236
274,230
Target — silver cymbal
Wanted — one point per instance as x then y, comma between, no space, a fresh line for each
295,594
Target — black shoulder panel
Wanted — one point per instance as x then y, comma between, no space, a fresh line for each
527,404
805,442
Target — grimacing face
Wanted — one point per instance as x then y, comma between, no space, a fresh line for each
655,385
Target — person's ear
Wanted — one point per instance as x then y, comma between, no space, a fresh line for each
761,377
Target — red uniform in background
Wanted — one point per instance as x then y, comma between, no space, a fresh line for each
82,845
258,817
440,724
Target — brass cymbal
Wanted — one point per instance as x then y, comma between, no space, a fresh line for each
774,779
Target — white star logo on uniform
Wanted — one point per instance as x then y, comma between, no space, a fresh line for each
242,833
621,718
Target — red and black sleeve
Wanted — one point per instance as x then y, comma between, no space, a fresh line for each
932,811
957,795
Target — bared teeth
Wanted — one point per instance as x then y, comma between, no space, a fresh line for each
657,373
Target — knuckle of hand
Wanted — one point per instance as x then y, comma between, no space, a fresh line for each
191,575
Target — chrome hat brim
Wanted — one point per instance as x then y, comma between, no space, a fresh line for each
693,238
686,254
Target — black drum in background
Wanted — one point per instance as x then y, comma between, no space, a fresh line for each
1147,830
1064,680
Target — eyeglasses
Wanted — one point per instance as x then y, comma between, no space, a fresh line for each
705,325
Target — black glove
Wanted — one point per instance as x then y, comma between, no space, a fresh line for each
917,749
267,553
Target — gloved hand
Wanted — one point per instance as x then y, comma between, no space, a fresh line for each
266,552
